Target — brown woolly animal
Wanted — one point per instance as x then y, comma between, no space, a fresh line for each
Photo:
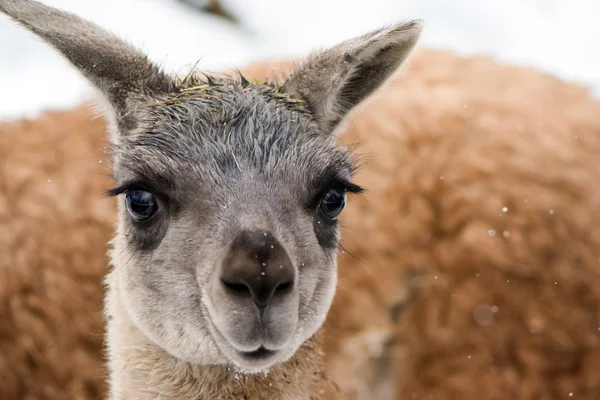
483,179
55,223
480,223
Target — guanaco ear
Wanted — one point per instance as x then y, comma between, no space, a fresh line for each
334,81
121,72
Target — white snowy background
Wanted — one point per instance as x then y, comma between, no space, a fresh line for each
559,36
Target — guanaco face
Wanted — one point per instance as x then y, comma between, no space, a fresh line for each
229,191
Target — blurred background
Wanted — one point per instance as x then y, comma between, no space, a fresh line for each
558,36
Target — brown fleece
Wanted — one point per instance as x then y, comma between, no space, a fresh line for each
54,228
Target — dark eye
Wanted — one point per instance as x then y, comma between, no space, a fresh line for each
333,203
140,204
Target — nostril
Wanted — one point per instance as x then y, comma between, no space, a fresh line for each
238,288
260,306
283,288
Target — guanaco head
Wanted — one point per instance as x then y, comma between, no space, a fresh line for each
229,190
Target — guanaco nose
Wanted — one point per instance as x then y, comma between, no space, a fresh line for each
257,267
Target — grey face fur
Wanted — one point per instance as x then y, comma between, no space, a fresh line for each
237,262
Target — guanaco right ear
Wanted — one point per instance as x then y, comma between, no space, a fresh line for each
334,81
121,72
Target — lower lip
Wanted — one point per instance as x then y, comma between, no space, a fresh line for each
260,354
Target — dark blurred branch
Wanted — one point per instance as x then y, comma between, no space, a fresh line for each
211,6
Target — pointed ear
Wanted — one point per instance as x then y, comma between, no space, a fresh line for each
334,81
121,72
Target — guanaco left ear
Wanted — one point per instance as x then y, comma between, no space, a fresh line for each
334,81
119,70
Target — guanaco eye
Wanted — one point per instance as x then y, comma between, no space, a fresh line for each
333,203
140,204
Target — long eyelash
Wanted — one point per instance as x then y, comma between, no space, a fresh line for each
336,183
343,184
351,187
116,191
134,185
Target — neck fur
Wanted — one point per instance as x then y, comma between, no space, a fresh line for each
140,369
